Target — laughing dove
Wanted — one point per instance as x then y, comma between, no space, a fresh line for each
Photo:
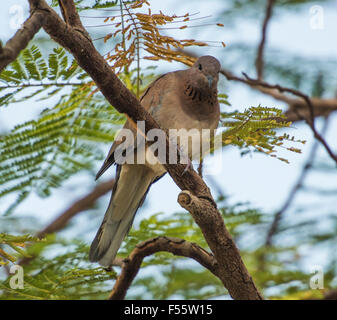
184,99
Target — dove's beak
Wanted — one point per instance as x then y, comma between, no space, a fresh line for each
210,81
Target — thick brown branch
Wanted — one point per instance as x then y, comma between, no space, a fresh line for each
21,38
232,273
69,13
178,247
240,287
71,16
260,51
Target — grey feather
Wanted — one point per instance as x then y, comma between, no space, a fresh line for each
125,200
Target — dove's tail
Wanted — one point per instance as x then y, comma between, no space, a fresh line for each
128,194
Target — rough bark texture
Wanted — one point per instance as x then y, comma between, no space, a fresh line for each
21,39
232,273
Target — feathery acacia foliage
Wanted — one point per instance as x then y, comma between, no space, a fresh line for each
141,30
32,73
65,276
40,154
16,244
256,128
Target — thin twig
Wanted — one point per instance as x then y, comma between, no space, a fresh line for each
322,107
123,28
297,186
259,58
310,119
53,84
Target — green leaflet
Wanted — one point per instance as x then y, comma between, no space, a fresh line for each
34,63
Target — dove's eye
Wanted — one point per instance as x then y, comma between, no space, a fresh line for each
199,67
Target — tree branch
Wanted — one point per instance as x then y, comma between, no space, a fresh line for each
69,13
310,120
259,58
178,247
298,185
20,40
322,107
71,17
232,273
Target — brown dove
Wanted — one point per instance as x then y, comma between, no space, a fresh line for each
184,99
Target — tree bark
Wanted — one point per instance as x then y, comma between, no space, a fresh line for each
20,40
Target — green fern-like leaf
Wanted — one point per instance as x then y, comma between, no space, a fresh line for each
40,154
15,244
31,75
256,128
34,63
66,276
58,62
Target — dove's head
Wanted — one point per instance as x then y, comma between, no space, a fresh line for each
209,68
